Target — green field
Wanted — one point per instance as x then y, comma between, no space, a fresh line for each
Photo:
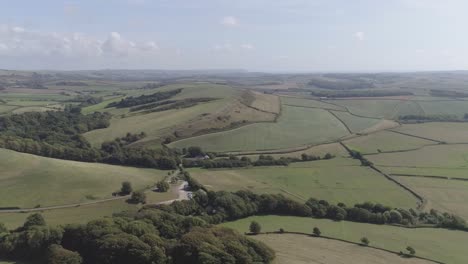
442,131
385,141
453,107
428,171
27,180
439,244
437,156
372,108
444,195
303,102
355,123
336,180
295,127
302,249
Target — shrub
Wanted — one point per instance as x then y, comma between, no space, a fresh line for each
255,227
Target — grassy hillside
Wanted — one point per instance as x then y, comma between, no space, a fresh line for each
300,249
28,180
439,244
336,180
295,127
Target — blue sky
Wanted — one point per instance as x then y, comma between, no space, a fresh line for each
264,35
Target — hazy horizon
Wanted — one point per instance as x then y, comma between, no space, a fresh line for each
294,36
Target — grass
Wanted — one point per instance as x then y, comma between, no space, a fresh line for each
458,108
439,244
437,156
155,124
295,127
385,141
28,180
319,150
371,108
444,195
355,123
309,103
442,131
337,180
429,171
301,249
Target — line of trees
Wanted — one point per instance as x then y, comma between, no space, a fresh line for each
149,236
144,99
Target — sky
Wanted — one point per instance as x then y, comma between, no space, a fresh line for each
256,35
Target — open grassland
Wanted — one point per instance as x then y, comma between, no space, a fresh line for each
437,156
303,102
371,108
384,141
441,131
301,249
439,244
428,171
6,108
337,180
155,125
449,107
295,127
444,195
266,102
354,123
320,150
27,180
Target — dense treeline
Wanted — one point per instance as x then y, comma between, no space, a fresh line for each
171,104
144,99
57,134
236,162
431,118
217,207
150,236
447,93
364,93
86,100
342,84
71,83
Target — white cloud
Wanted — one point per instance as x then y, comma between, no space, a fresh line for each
21,42
230,21
359,35
247,46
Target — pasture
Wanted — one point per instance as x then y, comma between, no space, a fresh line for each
304,102
295,127
354,123
385,141
301,249
438,244
444,195
28,180
434,156
336,180
441,131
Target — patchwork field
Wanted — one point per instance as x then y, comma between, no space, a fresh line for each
354,123
439,244
385,141
444,195
371,108
27,180
295,127
436,156
446,132
449,107
301,249
336,180
303,102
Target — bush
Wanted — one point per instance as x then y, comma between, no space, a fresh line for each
126,188
162,186
255,227
138,197
58,255
317,231
365,241
411,250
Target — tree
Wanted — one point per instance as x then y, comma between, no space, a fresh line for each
34,220
162,186
58,255
255,227
138,197
126,188
411,250
194,152
317,231
365,241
